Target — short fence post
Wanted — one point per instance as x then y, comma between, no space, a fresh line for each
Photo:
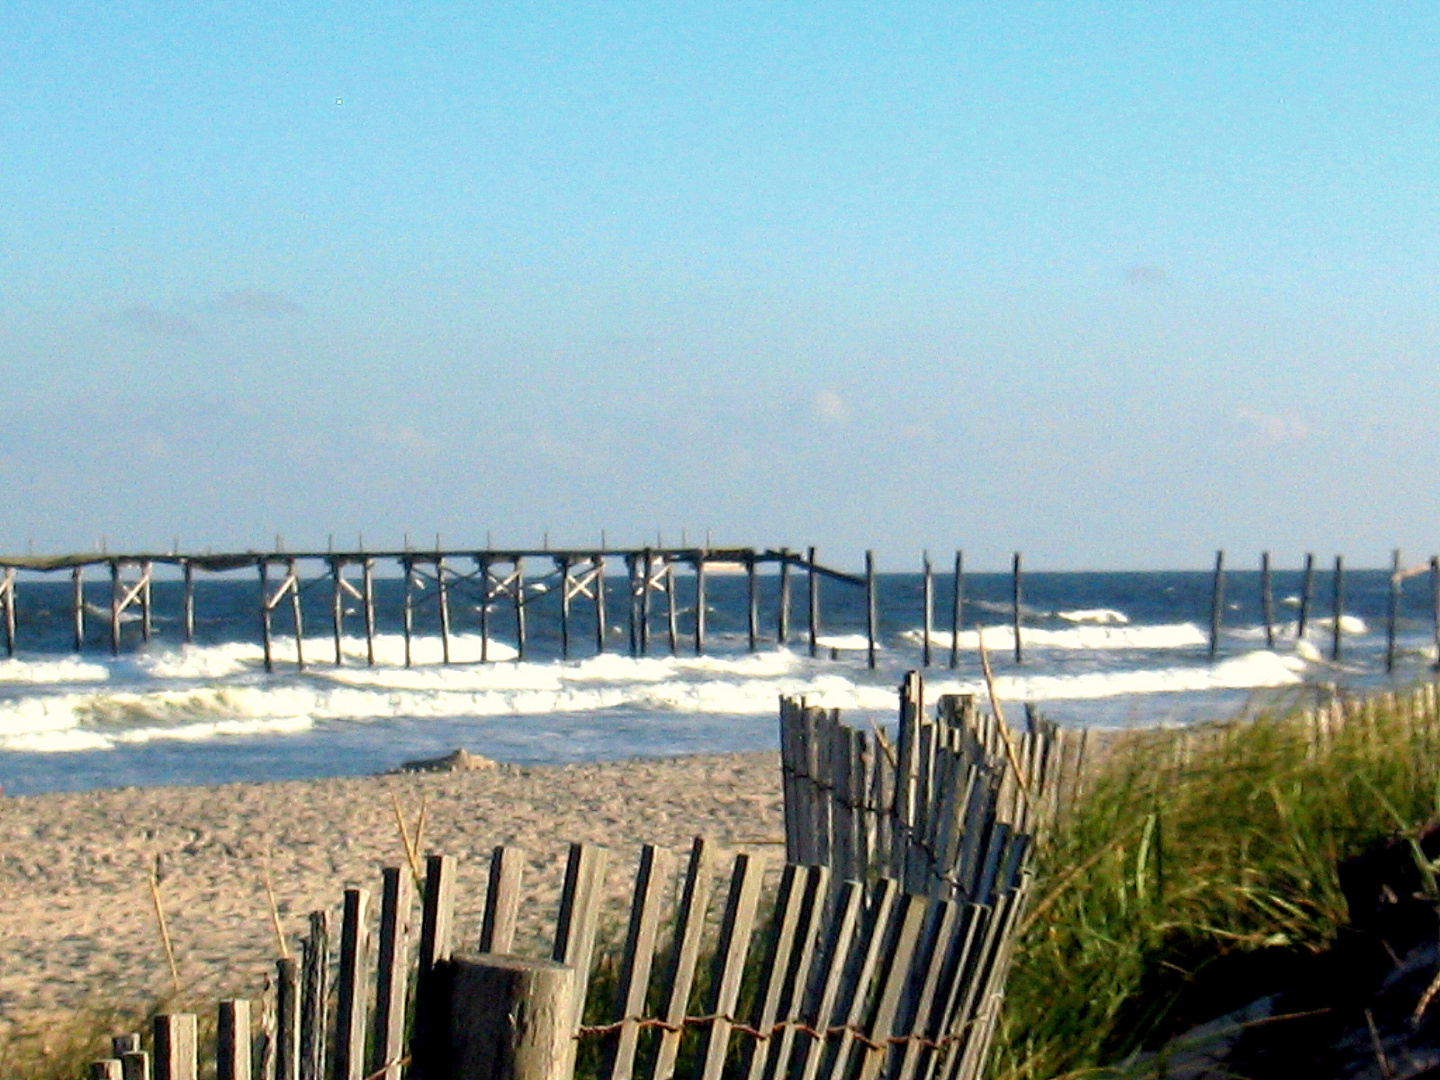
505,1018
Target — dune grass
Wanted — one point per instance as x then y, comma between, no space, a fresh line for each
1194,851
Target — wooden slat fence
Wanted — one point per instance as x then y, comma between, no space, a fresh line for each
782,976
956,798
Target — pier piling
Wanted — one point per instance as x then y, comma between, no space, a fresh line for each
1307,585
927,608
871,612
1217,603
1267,600
1338,605
782,614
813,600
1015,605
957,609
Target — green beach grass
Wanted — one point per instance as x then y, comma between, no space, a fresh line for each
1193,852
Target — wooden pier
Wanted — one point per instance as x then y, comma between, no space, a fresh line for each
510,588
502,584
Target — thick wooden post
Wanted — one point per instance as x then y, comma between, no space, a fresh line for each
600,628
870,609
337,606
670,626
408,604
1267,600
115,588
701,602
295,618
957,609
646,563
814,603
1217,603
188,614
77,605
632,562
782,615
1392,614
367,588
927,608
442,598
562,563
1015,602
145,596
1307,584
9,591
520,607
1338,606
506,1018
264,566
482,565
752,607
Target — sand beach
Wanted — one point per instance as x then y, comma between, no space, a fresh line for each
77,921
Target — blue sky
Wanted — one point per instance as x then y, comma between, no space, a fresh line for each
1115,284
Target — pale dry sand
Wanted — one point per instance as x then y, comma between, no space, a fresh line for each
77,925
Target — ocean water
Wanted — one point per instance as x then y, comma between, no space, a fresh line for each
1099,649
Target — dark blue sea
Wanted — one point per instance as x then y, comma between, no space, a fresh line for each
1098,649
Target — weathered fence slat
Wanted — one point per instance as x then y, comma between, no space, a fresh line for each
348,1059
689,926
639,957
892,979
825,992
770,1055
736,928
390,974
502,900
436,921
315,997
579,914
287,1019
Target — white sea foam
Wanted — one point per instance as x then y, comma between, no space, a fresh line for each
843,642
1100,616
18,669
1252,671
238,657
1350,626
735,686
999,638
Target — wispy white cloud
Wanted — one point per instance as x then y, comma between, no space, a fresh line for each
830,407
1272,429
257,302
147,319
